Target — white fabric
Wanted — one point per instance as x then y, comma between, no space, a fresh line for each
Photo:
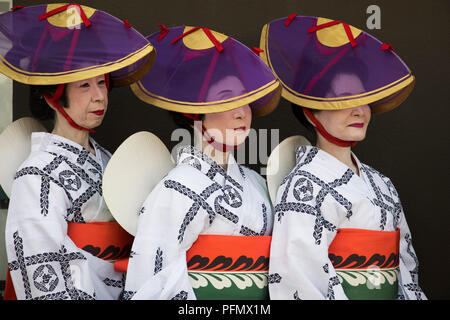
60,182
319,196
196,197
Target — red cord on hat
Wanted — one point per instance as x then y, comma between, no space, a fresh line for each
257,50
213,39
325,134
332,23
83,16
54,100
107,81
323,25
208,33
192,116
196,117
217,145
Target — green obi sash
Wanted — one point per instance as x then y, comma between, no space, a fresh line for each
366,262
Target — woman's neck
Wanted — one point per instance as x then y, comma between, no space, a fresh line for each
220,157
343,154
63,129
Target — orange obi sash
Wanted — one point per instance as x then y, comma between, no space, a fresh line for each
226,267
229,267
105,240
366,262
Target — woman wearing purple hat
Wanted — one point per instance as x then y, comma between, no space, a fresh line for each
204,230
340,231
59,232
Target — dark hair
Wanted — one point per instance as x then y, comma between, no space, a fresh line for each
39,106
184,122
300,116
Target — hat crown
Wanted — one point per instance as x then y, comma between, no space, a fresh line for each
335,35
69,18
198,40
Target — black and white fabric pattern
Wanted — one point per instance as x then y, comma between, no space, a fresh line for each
197,197
60,182
318,197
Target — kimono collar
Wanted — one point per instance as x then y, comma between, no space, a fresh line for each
305,154
200,161
57,145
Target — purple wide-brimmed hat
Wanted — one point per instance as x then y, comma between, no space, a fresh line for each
60,43
200,71
330,65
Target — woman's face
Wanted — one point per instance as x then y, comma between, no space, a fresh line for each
87,101
347,124
229,127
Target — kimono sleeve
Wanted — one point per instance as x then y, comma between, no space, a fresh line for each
408,263
43,261
169,223
299,264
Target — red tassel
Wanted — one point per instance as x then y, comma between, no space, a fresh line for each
387,46
257,50
289,19
17,8
127,24
164,31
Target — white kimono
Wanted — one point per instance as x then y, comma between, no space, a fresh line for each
60,182
318,197
196,197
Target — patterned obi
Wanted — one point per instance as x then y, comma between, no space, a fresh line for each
226,267
105,240
366,262
229,267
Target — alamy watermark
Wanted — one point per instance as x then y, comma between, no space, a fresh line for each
255,149
374,19
74,20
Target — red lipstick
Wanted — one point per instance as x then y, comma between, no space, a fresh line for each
99,112
357,125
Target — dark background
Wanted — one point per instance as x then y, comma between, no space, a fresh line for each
409,144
